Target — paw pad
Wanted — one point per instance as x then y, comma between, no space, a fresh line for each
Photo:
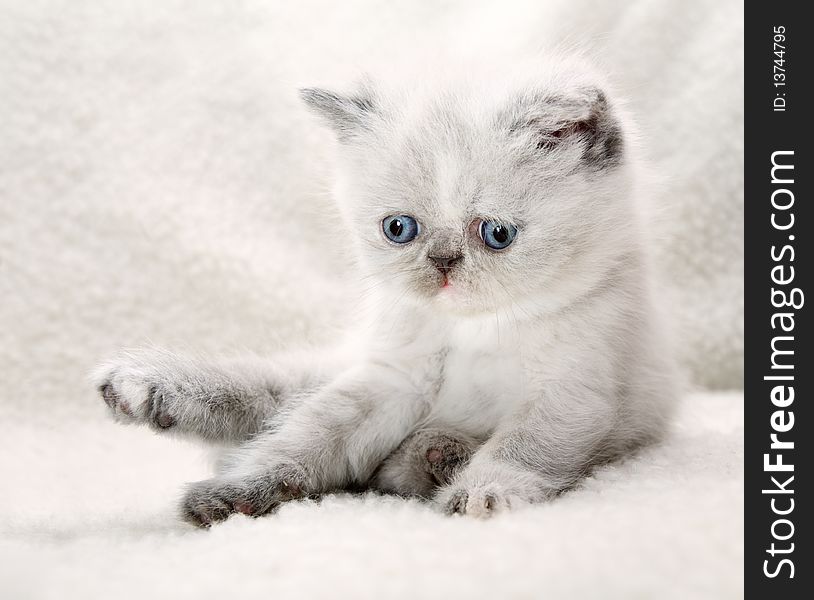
244,508
434,456
164,420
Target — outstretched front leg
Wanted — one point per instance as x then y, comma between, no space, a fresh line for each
331,440
216,400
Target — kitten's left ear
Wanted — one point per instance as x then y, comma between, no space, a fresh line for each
347,115
583,116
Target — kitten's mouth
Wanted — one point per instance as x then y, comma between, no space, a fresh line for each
441,283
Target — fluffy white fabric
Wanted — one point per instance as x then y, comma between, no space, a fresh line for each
159,181
87,514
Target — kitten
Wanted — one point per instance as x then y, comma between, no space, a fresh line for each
510,344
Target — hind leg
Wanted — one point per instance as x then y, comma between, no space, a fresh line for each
426,460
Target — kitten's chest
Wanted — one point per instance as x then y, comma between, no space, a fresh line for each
479,379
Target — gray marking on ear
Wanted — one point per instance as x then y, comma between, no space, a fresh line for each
585,117
347,115
602,134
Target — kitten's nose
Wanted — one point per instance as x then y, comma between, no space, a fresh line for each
444,263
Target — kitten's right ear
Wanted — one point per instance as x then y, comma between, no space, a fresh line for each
348,116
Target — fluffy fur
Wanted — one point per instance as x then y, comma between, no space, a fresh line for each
524,367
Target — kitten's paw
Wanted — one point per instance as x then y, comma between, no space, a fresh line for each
445,455
214,500
208,502
479,501
141,402
423,461
487,486
137,390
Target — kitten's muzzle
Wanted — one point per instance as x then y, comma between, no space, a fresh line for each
445,263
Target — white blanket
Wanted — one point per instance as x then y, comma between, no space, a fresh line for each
88,513
160,182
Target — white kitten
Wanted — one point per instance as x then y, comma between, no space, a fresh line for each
510,342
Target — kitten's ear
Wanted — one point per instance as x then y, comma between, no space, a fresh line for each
347,115
584,116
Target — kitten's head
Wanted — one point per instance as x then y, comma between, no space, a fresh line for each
473,197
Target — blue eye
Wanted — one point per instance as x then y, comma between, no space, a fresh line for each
497,235
400,228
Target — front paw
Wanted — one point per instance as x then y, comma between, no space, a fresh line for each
480,501
140,387
214,500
